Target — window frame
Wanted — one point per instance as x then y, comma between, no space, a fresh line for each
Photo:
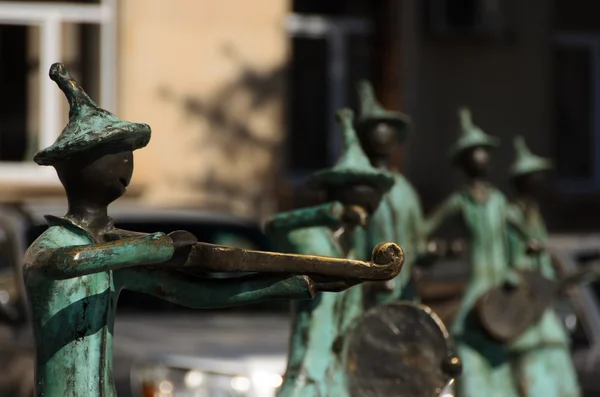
336,31
592,43
50,17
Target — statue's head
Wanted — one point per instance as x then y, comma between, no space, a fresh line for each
379,129
379,141
530,184
93,155
353,180
471,152
474,161
528,170
360,200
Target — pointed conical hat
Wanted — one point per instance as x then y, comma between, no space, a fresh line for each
470,135
353,166
525,161
89,125
372,113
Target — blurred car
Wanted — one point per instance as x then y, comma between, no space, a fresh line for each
442,285
239,339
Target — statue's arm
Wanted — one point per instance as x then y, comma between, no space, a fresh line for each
446,210
80,260
206,293
424,256
328,214
534,245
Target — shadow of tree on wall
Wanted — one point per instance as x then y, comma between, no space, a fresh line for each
226,127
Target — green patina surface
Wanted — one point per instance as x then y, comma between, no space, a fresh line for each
484,215
316,365
541,357
399,218
74,297
485,362
471,135
74,272
318,362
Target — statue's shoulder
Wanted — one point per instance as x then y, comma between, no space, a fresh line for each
60,233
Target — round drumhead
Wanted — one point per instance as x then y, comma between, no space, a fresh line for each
400,349
505,313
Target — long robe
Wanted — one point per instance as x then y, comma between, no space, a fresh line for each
316,364
540,358
486,369
399,219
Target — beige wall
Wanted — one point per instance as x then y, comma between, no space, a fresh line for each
206,76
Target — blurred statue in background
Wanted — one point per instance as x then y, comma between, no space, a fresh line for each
483,212
540,356
350,192
337,349
76,269
399,217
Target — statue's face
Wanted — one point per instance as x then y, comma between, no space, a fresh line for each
360,200
380,140
100,177
111,173
475,161
530,184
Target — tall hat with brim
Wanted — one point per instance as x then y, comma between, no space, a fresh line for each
353,166
89,126
470,135
372,113
526,162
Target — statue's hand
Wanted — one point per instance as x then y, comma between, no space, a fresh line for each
436,248
332,284
182,243
534,246
457,248
513,279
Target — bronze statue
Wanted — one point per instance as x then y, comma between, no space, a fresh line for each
541,358
331,334
399,217
483,211
75,270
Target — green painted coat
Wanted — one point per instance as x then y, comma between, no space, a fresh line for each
486,370
540,358
73,280
316,363
398,219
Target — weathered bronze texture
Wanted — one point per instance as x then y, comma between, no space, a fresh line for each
76,269
540,356
484,213
387,259
400,349
351,191
507,312
399,217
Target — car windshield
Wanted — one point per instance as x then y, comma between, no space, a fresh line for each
214,232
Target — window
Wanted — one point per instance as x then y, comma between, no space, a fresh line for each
329,55
482,17
33,35
577,112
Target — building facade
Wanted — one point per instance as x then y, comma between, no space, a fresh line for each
241,96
